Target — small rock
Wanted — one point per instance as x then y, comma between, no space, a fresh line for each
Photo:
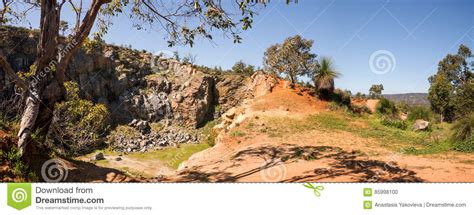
143,126
118,158
403,116
133,123
179,98
99,156
143,143
420,125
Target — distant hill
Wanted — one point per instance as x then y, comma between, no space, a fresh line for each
410,98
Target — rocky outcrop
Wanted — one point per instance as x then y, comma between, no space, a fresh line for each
261,84
258,85
135,85
369,104
231,90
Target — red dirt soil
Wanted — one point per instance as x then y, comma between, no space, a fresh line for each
332,156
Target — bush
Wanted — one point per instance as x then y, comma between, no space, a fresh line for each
403,107
395,123
3,122
92,45
17,167
334,106
209,133
359,110
420,112
386,107
78,124
343,98
462,134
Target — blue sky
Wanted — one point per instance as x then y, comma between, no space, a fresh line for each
415,33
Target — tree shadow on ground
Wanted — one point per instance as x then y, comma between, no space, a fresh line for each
80,171
342,165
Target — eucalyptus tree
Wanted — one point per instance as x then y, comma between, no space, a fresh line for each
375,91
293,58
451,91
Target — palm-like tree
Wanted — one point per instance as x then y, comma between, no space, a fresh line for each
324,76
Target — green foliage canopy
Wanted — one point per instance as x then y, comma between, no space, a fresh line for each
451,92
292,58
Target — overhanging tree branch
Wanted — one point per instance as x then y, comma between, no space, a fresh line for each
78,38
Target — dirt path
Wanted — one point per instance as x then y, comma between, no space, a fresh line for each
320,156
126,169
317,155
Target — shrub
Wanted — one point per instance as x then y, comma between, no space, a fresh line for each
209,133
237,133
462,134
343,98
403,107
386,107
395,123
420,112
78,124
156,127
93,45
17,167
333,106
360,109
3,122
130,132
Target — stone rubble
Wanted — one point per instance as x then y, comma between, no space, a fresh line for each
148,140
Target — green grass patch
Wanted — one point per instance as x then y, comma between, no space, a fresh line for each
329,121
395,123
209,134
430,148
126,131
237,133
391,136
171,157
156,127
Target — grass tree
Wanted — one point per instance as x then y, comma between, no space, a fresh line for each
324,76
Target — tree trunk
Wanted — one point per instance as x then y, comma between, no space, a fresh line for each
44,67
51,65
292,80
